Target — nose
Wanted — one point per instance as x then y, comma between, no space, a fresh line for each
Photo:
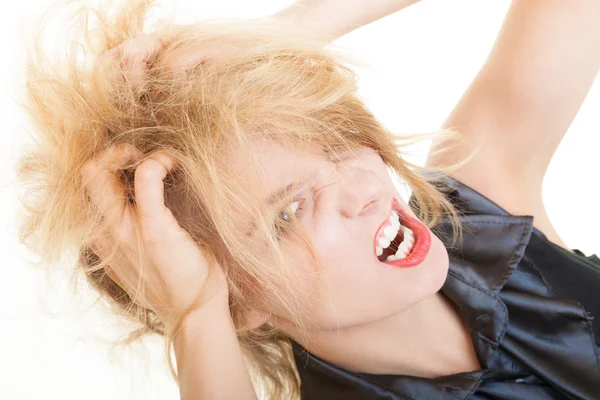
359,193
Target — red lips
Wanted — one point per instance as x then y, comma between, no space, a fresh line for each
422,239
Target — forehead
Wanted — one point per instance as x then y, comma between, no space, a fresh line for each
274,165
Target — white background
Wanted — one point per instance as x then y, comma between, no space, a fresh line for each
55,346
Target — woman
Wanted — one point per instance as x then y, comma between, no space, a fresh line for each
244,210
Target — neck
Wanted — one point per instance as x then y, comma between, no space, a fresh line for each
428,340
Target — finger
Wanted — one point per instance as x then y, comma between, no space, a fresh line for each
190,61
134,295
183,61
110,64
143,46
120,271
102,249
138,52
149,186
105,190
115,278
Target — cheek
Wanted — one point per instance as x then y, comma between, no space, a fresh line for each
294,292
362,290
305,275
344,253
353,287
319,285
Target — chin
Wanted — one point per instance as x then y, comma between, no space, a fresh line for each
429,277
441,260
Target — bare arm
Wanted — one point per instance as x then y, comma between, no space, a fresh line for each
524,99
209,359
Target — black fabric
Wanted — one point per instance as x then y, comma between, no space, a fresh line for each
529,305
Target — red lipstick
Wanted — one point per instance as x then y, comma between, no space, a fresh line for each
422,237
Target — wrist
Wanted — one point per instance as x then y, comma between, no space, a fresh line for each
314,16
201,325
332,19
213,313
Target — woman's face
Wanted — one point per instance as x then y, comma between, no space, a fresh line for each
343,207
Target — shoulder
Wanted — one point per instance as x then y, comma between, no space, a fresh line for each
511,188
569,274
552,259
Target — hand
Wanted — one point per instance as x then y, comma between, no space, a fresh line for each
172,268
135,55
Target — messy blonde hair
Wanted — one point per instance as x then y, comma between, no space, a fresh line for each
278,84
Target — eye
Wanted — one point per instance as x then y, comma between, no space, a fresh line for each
292,208
284,220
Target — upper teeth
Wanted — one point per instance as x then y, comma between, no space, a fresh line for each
390,231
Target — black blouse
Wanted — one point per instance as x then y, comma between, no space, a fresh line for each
529,305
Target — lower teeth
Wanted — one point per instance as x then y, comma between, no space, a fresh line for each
407,236
394,257
403,254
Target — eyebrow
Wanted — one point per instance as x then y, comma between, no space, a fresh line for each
279,194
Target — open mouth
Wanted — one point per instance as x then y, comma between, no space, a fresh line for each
401,240
395,241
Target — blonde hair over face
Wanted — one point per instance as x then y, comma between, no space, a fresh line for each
278,84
